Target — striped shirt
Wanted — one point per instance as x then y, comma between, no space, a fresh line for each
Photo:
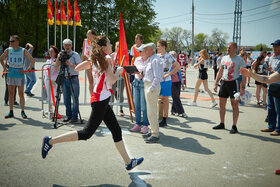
102,88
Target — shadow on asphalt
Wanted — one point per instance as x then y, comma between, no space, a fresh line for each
30,121
136,181
185,144
262,138
210,136
4,127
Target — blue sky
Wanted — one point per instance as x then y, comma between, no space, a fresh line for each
260,25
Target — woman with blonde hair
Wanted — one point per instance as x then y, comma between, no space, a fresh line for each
202,65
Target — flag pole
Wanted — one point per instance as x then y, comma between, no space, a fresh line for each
48,27
67,21
61,36
55,23
74,30
48,35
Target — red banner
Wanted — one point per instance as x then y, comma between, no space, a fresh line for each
62,13
57,16
181,58
50,13
70,13
77,16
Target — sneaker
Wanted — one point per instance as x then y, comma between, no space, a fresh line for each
6,104
144,129
16,103
121,113
23,115
220,126
173,113
152,139
241,103
184,115
192,104
147,135
136,128
10,115
163,123
214,104
46,146
233,130
133,163
67,119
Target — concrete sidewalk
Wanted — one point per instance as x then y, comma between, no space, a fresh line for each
190,153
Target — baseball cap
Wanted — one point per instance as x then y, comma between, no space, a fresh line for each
277,42
67,41
149,45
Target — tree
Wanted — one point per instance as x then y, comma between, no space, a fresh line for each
219,40
187,39
262,47
200,41
28,19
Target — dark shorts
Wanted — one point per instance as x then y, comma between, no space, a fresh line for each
259,83
248,67
203,75
228,88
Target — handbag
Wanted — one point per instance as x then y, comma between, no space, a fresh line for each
274,90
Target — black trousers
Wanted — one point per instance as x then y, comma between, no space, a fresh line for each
101,111
176,101
215,72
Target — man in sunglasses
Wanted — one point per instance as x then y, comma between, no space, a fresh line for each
15,77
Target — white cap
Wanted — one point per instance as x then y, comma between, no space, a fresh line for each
67,41
150,45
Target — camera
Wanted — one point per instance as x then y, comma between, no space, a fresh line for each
63,58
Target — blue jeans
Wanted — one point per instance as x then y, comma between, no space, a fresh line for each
139,102
273,104
30,81
68,94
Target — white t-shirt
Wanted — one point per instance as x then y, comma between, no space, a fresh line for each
132,51
167,60
231,67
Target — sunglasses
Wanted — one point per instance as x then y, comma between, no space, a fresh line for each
11,41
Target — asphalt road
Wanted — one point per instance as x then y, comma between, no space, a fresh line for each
190,153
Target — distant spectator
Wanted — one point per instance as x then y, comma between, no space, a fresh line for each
30,77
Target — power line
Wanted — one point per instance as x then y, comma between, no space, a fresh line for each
227,13
172,17
249,21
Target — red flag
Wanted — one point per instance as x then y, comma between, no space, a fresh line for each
62,13
77,16
70,13
50,13
123,50
57,17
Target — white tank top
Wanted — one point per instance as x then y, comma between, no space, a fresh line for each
102,88
16,58
87,48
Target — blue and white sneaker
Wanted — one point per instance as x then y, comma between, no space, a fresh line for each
133,163
46,146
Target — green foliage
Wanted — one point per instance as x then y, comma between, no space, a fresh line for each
28,19
262,47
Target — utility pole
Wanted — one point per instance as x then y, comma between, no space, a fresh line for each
237,23
192,32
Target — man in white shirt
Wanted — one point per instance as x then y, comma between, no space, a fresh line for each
152,78
229,73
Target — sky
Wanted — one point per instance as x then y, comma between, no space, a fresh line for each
260,22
